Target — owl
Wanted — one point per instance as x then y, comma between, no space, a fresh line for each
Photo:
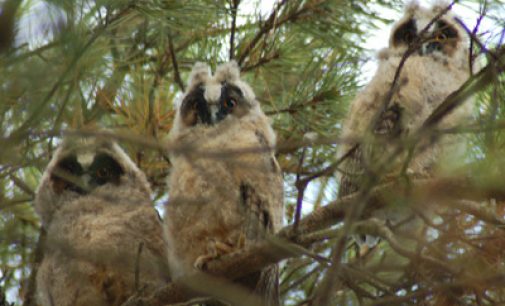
104,237
226,187
438,67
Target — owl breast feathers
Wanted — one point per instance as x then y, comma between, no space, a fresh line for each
437,67
225,187
95,206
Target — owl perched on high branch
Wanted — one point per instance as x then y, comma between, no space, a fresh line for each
382,116
104,237
225,188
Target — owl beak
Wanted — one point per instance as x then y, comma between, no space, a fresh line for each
214,113
86,182
430,47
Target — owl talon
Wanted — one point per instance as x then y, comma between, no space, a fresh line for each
201,261
222,248
215,250
241,241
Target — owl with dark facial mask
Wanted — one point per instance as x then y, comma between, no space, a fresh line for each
437,66
104,237
225,188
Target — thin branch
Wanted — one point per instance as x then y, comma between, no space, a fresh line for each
262,61
234,10
177,74
476,40
22,185
378,228
483,9
29,296
478,82
300,186
267,26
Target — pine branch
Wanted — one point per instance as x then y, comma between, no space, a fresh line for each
254,258
267,26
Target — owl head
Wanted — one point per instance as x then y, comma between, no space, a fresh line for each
445,38
212,99
83,167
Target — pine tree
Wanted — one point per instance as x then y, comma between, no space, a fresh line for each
121,64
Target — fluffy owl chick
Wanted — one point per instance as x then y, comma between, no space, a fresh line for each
435,70
226,188
95,206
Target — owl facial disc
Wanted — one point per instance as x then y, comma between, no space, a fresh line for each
440,37
201,106
72,174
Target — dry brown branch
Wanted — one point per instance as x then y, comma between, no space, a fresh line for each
252,259
233,10
177,74
29,297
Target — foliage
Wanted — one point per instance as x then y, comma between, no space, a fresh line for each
121,64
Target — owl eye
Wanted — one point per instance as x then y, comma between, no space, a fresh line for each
103,173
408,37
105,169
230,103
440,37
406,33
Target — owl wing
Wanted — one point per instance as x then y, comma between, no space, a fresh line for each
351,171
132,236
259,220
355,166
263,208
146,227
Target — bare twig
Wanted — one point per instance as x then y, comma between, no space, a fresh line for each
29,297
234,10
269,24
300,186
177,74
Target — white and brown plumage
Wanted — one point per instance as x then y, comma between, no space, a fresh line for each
95,206
225,188
436,69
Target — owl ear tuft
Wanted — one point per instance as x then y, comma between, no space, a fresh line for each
228,71
412,6
440,5
199,74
